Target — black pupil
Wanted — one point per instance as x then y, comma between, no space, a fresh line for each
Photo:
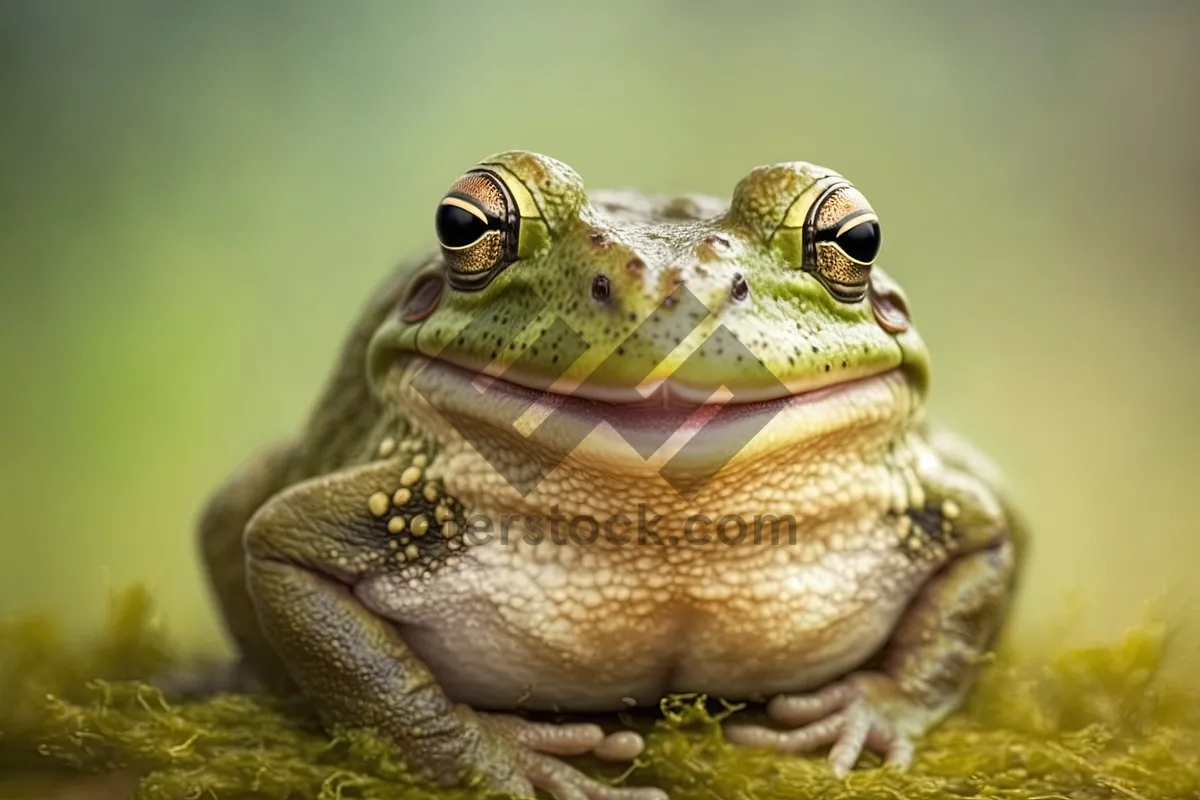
861,242
457,227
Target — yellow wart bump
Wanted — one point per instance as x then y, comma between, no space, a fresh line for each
410,476
378,504
950,509
420,460
916,492
387,447
411,552
420,525
396,525
450,529
430,492
441,513
402,496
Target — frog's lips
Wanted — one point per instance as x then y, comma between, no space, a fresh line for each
458,391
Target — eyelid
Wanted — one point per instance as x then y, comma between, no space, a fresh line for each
856,219
465,206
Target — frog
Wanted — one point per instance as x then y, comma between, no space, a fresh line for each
542,473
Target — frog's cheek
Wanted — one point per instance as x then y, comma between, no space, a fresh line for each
392,338
914,356
890,310
397,343
915,359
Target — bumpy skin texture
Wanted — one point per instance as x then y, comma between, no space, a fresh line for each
344,566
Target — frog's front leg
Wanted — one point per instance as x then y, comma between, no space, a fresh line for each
307,549
932,655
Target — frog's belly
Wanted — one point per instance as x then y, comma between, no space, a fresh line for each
540,636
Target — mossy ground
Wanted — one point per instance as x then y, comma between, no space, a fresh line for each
1096,723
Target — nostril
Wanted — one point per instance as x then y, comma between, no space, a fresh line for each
740,290
601,287
422,299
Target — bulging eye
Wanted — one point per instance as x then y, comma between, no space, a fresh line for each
477,226
860,240
842,239
459,227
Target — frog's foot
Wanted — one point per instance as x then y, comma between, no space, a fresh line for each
864,711
540,744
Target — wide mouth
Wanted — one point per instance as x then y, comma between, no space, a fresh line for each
676,433
664,405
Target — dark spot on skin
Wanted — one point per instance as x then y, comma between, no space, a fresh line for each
931,533
716,242
740,289
843,363
636,266
816,349
601,288
827,368
423,298
599,239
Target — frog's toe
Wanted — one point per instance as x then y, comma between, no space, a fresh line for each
541,743
565,782
620,746
574,739
866,711
546,737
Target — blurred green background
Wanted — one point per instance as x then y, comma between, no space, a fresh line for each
195,199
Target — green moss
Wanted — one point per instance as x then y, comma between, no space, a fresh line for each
1092,723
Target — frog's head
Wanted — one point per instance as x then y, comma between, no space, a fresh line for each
606,300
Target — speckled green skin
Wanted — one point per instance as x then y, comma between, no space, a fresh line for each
342,569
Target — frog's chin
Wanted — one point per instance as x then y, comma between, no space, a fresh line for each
666,426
